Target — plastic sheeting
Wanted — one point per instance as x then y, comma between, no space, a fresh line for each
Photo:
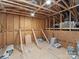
55,43
8,52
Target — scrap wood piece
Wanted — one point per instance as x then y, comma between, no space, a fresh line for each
35,38
45,35
21,41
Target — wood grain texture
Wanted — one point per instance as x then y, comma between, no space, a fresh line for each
11,25
64,36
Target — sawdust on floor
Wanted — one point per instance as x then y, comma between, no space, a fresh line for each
46,52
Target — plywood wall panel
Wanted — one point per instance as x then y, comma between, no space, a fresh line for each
22,22
5,38
65,36
38,34
1,29
4,22
27,23
16,22
1,40
33,23
68,35
1,21
49,33
10,22
16,37
39,24
10,38
28,32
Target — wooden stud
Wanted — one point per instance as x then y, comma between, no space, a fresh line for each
70,19
30,4
45,23
53,20
21,40
35,38
66,9
45,35
61,21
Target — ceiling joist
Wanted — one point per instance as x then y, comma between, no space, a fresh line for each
23,6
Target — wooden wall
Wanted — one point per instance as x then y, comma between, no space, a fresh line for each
64,36
10,24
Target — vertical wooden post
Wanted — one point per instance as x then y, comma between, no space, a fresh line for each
21,41
61,21
53,25
46,24
53,21
70,20
13,30
49,23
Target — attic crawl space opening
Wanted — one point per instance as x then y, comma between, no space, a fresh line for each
39,29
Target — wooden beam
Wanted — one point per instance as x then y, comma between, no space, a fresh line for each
65,3
18,4
49,23
45,35
21,14
61,18
26,9
55,3
70,20
36,41
74,9
29,4
46,23
25,12
21,40
54,21
61,6
42,6
66,9
57,8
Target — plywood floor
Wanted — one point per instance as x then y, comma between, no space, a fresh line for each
46,52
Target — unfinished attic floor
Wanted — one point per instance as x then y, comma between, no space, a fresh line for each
46,52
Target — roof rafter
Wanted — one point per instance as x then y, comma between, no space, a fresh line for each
35,5
68,7
22,8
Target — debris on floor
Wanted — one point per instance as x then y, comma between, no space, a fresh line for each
7,52
47,52
54,42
